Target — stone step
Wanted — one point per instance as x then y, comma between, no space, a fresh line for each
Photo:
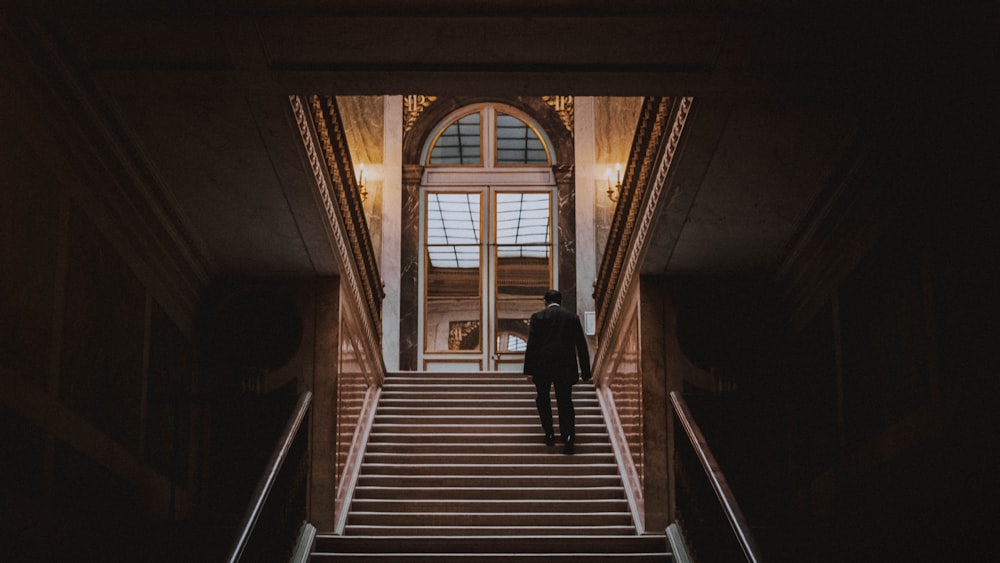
478,429
478,557
516,519
498,469
497,548
519,398
449,409
515,481
534,437
525,403
497,493
467,447
430,505
492,387
513,379
425,416
458,544
486,532
453,392
490,458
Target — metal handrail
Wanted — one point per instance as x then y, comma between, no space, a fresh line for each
267,479
718,479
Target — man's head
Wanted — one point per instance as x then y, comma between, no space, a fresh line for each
553,296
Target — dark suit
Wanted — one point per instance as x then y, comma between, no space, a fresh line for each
556,344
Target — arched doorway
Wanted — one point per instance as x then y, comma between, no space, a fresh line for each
487,237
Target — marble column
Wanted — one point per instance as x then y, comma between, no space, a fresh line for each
392,181
409,254
586,249
566,192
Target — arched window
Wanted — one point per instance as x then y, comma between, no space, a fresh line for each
504,138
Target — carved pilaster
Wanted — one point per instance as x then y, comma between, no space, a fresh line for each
566,194
409,254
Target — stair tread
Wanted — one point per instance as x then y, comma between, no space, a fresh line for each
456,469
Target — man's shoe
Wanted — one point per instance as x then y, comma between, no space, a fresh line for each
568,446
550,439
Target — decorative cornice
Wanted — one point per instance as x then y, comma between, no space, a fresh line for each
631,245
563,106
413,106
413,174
362,293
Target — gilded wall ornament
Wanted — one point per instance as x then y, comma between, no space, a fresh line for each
413,106
563,106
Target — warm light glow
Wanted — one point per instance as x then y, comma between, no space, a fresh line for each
614,190
361,182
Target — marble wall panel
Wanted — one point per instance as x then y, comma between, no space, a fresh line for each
363,121
409,268
615,119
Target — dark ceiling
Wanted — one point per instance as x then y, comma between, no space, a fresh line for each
784,94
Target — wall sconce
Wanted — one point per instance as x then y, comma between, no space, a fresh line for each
615,190
361,182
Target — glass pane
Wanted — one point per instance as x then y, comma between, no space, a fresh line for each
517,143
523,218
453,218
452,311
523,258
459,143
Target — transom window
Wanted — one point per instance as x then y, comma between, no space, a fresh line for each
459,143
518,143
487,131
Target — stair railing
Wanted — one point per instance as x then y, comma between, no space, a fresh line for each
287,447
717,480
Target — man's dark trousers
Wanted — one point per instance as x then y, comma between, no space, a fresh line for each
564,401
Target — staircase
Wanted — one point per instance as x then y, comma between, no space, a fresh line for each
457,470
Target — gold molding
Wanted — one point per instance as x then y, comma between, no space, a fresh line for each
563,106
635,222
342,237
413,106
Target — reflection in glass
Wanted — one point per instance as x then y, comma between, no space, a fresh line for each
517,143
523,253
458,143
626,389
452,312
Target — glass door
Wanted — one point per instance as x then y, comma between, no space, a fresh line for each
522,270
479,292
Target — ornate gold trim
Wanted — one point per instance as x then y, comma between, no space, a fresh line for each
620,285
318,165
563,106
413,106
